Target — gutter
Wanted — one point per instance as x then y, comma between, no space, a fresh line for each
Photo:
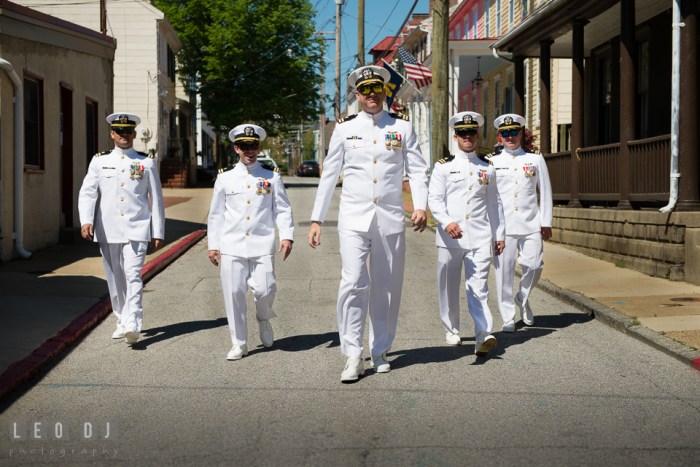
676,26
18,233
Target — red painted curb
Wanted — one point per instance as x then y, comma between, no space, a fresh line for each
696,364
22,370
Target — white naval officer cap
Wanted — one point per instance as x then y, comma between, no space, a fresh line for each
247,132
509,122
466,120
368,75
123,120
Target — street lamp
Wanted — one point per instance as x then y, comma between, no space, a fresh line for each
478,80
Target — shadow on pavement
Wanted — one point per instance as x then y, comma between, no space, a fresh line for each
176,229
302,342
155,335
544,325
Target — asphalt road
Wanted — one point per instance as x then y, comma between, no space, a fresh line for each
568,391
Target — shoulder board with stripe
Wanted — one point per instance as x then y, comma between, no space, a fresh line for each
225,169
484,157
145,154
346,119
276,169
103,153
399,116
446,159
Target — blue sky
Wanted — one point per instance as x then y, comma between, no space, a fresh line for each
382,18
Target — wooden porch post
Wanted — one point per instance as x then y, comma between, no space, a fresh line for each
688,192
576,109
628,78
519,64
545,96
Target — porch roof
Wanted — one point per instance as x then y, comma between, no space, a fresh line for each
553,21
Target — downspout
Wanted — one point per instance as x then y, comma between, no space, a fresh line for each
18,234
496,55
675,103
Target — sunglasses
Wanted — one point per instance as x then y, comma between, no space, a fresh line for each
507,133
248,146
367,89
123,131
463,132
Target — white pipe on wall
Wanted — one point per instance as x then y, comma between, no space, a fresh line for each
18,233
675,103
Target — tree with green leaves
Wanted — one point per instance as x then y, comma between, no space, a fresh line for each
255,60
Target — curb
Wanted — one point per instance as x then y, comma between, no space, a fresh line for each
624,324
22,370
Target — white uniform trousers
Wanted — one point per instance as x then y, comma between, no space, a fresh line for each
377,290
237,274
123,263
477,263
531,260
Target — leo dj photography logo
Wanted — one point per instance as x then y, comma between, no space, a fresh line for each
48,439
55,430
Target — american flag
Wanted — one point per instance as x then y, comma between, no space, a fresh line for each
415,70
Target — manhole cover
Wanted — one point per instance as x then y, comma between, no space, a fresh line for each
686,299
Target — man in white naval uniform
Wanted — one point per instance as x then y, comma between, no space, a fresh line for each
128,215
247,202
463,198
373,149
528,221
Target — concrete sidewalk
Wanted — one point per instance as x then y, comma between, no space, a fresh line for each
60,294
51,300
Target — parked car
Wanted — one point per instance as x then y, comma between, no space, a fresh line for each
267,162
308,169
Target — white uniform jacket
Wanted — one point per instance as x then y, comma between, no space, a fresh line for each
372,151
247,203
115,194
464,190
520,174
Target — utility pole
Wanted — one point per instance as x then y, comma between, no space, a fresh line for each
439,95
322,116
338,5
361,33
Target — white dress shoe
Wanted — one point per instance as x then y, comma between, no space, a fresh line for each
484,343
380,363
525,311
237,352
131,336
509,326
118,333
452,338
266,335
354,368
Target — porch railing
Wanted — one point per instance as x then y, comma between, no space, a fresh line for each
599,172
650,166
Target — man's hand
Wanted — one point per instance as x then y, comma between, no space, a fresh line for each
546,233
498,247
157,243
214,257
87,231
453,230
419,220
286,248
314,235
